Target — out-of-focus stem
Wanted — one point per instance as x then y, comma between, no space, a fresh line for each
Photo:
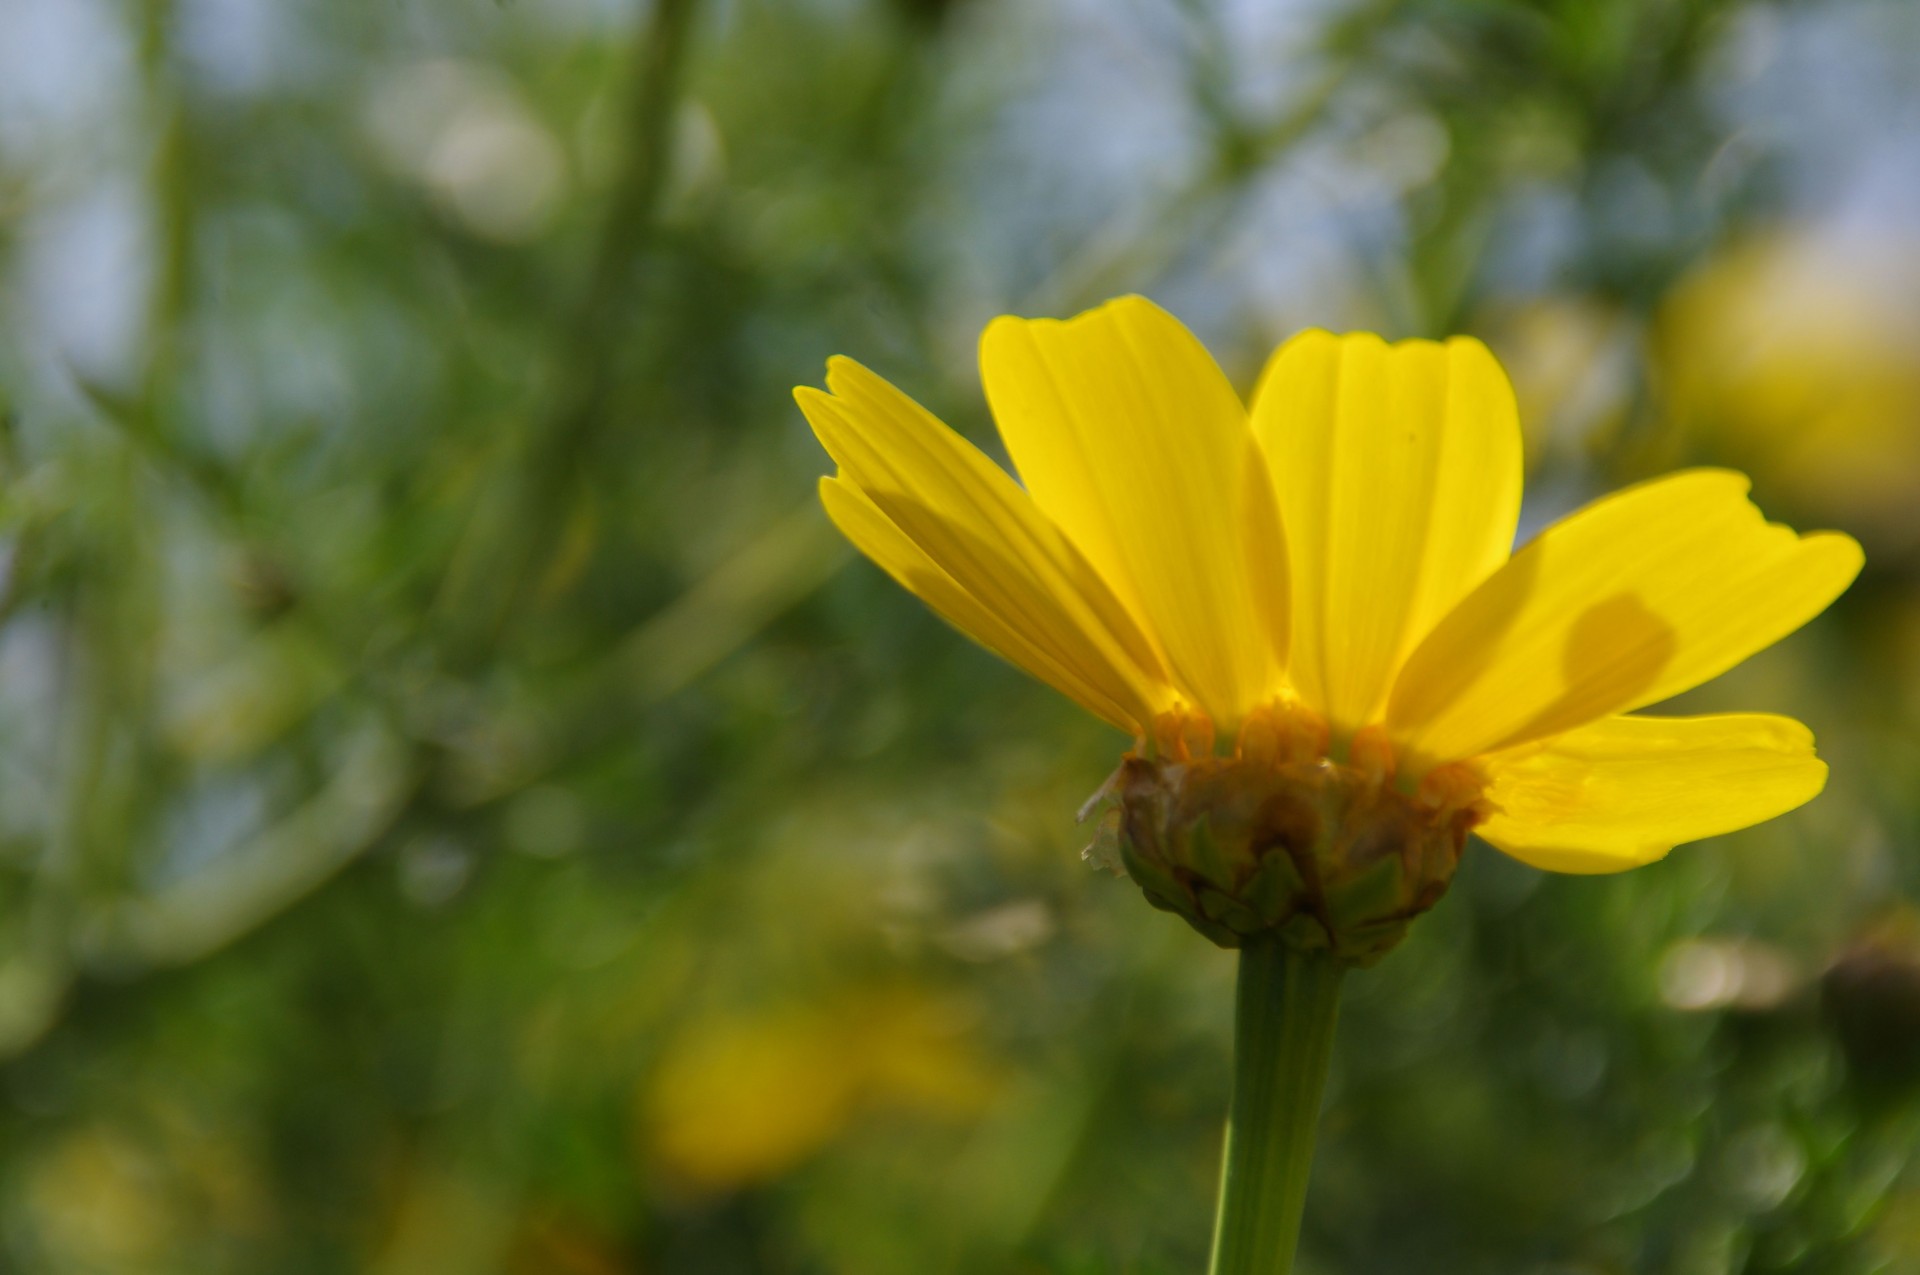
504,559
659,66
1285,1006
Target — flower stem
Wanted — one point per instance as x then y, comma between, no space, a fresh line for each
1285,1005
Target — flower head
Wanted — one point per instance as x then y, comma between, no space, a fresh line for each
1311,617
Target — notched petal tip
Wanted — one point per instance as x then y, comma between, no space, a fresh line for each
827,417
1308,343
849,378
955,529
838,367
807,396
1307,340
1030,633
1007,328
1130,438
1397,470
1316,336
1114,307
1713,481
1001,338
1640,595
1471,354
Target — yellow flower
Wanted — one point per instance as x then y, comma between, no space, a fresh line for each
1333,571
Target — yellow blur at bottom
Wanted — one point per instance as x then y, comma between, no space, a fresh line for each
742,1098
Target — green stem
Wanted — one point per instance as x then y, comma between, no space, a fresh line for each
1285,1005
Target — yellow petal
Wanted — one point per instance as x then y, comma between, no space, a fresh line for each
1398,475
1132,441
1053,615
1625,790
1637,597
875,535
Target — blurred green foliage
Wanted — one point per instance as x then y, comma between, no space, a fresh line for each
461,810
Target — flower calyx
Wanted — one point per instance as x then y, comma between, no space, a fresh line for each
1279,838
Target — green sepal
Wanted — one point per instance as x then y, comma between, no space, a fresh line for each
1323,856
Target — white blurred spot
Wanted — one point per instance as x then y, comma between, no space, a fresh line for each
1407,150
1764,1164
1703,974
1749,48
699,157
65,69
88,269
239,46
465,133
501,175
999,932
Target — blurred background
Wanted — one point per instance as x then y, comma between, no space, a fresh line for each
463,811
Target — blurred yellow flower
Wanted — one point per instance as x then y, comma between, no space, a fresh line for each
1334,569
96,1200
1799,356
743,1098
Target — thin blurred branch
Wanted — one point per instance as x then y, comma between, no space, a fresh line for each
293,856
1131,247
611,285
716,617
561,449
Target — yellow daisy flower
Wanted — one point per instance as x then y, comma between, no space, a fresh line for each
1311,617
